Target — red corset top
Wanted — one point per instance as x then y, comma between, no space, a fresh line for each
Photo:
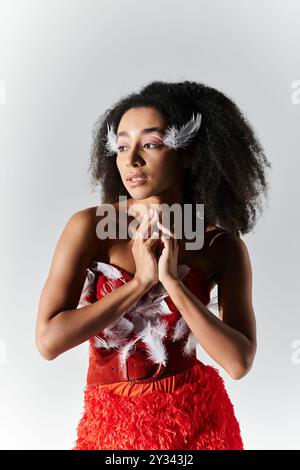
153,320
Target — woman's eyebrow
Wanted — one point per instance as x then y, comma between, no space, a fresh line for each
148,130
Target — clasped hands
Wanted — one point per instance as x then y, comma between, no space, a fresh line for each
165,248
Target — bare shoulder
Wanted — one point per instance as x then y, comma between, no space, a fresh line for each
76,246
93,223
232,256
81,226
84,216
90,216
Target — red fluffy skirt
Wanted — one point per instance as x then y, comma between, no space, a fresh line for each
198,415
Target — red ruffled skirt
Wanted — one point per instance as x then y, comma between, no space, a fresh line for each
187,411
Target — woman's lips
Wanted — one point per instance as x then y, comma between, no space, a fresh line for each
137,181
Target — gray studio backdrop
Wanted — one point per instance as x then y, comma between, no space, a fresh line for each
62,64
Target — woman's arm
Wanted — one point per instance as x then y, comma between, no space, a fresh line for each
70,328
231,339
60,325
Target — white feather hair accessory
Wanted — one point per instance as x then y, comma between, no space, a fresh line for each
174,137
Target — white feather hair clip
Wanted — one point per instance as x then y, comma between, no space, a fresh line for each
174,137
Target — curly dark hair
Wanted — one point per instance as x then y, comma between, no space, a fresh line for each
227,174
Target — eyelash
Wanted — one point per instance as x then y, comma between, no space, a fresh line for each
148,143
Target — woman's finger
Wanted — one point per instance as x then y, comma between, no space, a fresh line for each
153,228
144,225
165,230
152,239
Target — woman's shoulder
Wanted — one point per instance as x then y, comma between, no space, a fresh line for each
227,249
84,218
89,218
223,240
93,214
83,225
98,236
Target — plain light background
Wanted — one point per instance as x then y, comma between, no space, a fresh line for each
62,64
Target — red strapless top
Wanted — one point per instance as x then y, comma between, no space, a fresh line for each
153,320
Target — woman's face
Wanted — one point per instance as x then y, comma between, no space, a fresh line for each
141,151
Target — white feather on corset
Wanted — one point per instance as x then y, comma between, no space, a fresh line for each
181,329
145,318
87,289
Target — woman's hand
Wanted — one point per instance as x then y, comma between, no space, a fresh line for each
167,263
142,249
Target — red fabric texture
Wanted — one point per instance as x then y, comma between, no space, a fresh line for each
187,411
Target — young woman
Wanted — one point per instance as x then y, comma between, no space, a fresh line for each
143,301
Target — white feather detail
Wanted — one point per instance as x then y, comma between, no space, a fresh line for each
107,269
111,342
149,307
164,308
174,137
121,327
178,138
153,336
125,350
87,289
115,334
99,342
145,319
181,328
213,305
111,141
190,345
140,316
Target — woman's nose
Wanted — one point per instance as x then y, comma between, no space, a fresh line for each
133,155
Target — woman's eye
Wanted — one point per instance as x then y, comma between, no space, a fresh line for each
155,145
148,143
